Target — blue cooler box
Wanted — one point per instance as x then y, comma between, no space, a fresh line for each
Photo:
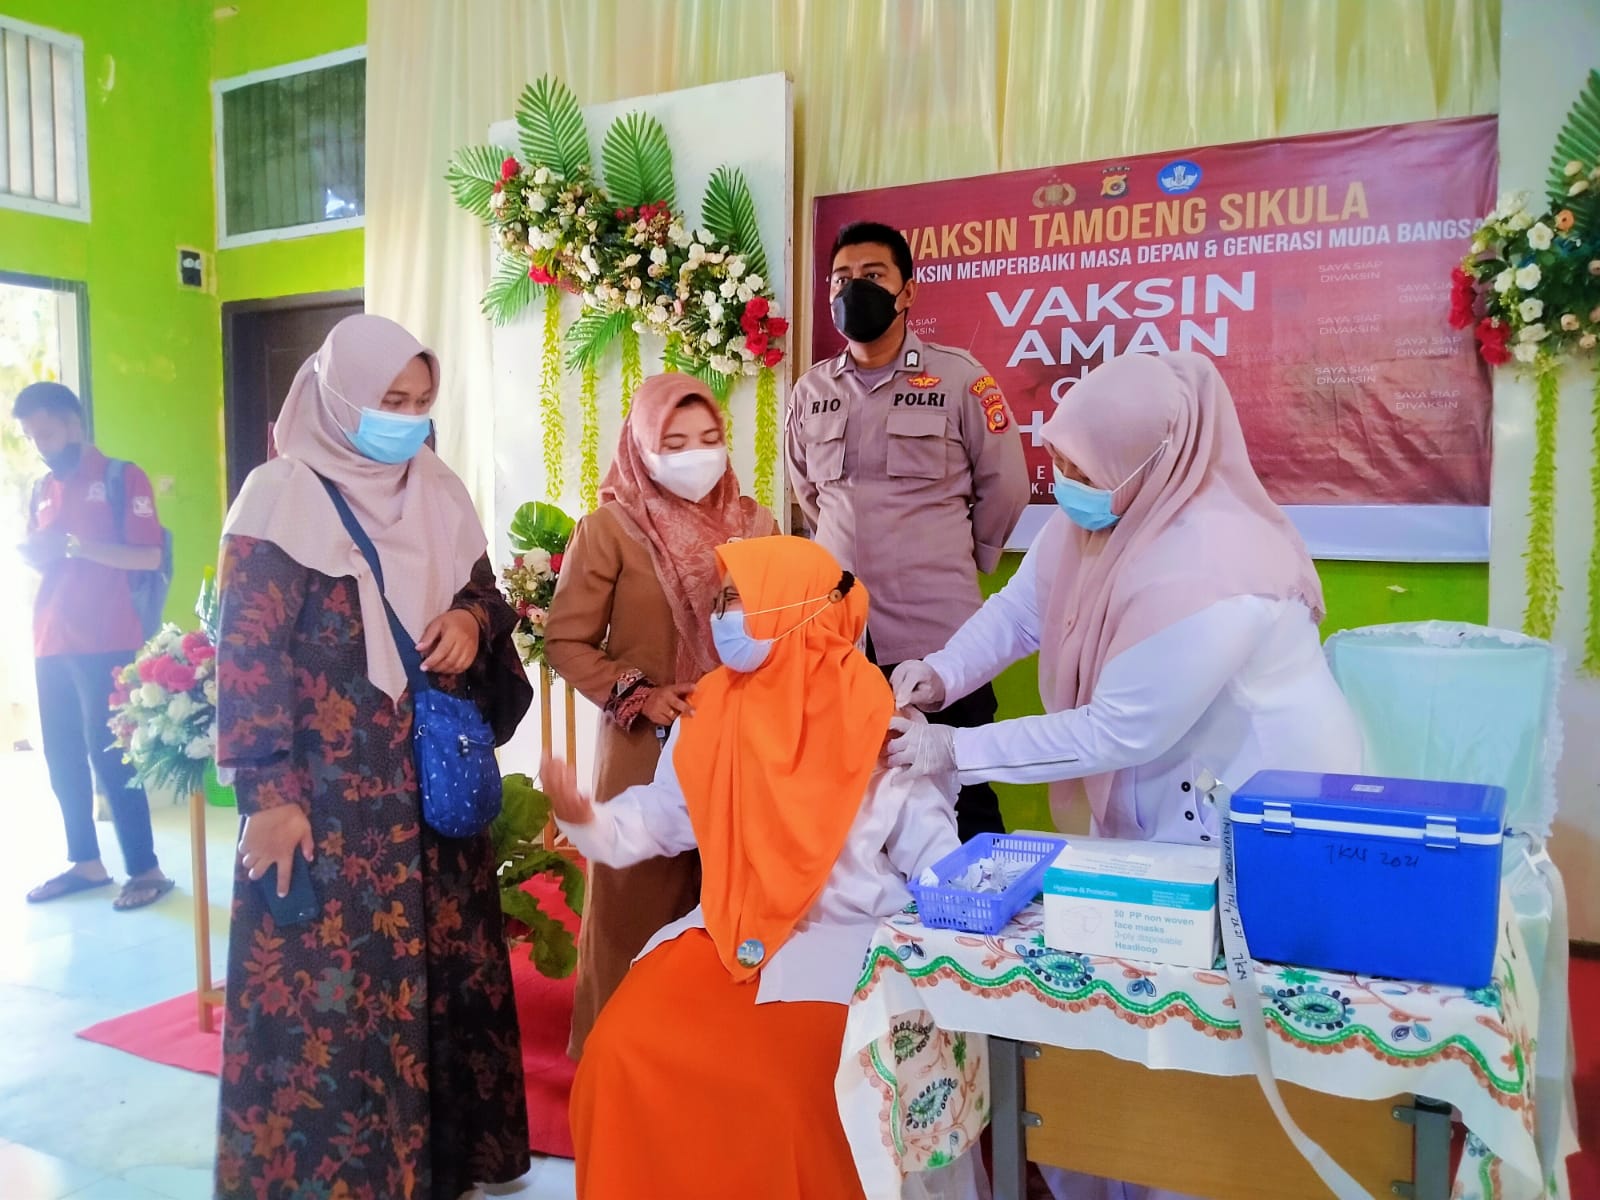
1391,877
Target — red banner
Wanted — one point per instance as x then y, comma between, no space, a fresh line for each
1315,270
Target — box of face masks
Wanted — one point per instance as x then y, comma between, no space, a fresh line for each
1151,901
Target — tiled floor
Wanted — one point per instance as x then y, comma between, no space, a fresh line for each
82,1121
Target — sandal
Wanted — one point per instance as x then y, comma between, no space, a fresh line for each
68,883
137,893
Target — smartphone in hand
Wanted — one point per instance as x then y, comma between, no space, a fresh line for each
301,904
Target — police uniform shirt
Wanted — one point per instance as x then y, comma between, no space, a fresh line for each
913,481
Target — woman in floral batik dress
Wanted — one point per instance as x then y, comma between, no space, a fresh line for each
371,1052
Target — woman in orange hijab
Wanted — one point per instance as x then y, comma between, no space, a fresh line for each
733,1017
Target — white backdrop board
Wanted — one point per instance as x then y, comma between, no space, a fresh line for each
746,124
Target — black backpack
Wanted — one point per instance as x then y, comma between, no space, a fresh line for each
149,588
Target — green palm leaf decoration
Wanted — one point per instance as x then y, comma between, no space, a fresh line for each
721,385
551,127
638,162
510,290
591,335
472,174
730,216
1579,141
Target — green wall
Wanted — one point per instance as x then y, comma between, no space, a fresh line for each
270,33
155,347
155,356
1357,593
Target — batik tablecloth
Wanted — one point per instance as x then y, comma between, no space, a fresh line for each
913,1082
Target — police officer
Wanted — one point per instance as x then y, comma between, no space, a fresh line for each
909,469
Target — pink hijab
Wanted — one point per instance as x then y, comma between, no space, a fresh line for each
1197,526
418,514
682,537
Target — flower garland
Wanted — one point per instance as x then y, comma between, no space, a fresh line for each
766,436
164,710
624,250
1529,288
590,444
632,368
550,393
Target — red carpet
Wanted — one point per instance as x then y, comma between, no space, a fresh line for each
169,1033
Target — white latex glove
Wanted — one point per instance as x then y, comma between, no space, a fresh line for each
921,748
917,685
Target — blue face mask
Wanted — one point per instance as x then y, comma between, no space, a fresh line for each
1085,506
390,437
735,647
385,437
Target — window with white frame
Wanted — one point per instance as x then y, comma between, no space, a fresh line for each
291,149
44,161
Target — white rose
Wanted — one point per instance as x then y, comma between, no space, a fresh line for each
524,644
1528,277
745,294
1540,236
152,695
538,201
542,175
1586,342
756,283
181,708
632,260
724,364
729,289
715,312
736,266
1520,220
498,201
1531,310
716,256
735,345
1569,322
678,236
708,298
658,315
1504,280
1525,352
752,368
1511,202
537,561
713,337
198,748
696,252
1533,333
635,284
659,256
633,299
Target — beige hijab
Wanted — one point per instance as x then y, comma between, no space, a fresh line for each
418,514
1197,526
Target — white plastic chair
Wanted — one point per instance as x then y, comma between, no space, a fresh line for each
1470,704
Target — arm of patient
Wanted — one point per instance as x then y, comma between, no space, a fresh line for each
644,822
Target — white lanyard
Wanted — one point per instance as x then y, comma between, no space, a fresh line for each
1241,971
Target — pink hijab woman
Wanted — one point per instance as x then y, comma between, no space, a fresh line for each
1174,609
341,884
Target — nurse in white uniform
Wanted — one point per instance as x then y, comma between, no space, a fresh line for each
1175,611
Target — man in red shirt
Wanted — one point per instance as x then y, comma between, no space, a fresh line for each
85,627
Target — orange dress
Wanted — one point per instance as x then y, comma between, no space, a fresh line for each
735,1102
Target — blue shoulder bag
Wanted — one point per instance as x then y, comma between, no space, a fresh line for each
451,744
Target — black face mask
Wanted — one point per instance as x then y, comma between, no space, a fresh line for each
863,311
65,460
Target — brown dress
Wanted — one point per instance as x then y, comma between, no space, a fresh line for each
373,1052
610,616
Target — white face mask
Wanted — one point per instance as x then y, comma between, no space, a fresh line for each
690,474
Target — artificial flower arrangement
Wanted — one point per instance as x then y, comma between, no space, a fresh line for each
1529,287
164,710
631,257
539,535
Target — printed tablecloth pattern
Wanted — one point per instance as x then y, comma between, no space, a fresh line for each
913,1082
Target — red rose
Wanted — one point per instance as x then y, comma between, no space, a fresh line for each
539,275
1492,342
509,169
197,647
750,325
758,307
773,357
757,345
498,188
777,326
148,669
555,563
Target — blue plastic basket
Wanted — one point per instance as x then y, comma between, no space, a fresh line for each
945,907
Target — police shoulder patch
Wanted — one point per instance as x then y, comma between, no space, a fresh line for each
995,413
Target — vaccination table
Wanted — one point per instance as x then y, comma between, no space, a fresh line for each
1138,1072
